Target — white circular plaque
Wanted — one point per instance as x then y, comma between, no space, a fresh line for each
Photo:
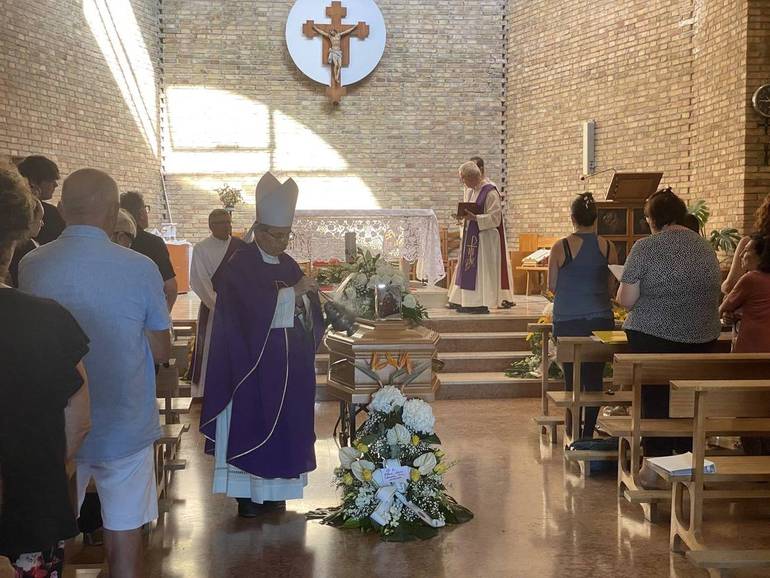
307,53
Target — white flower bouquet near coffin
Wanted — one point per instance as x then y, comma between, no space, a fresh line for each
392,479
370,274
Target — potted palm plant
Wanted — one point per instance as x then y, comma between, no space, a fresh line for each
724,241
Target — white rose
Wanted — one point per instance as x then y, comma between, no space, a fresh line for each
398,435
348,456
425,463
418,415
386,399
409,301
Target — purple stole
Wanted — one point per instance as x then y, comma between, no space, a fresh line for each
267,374
204,316
468,267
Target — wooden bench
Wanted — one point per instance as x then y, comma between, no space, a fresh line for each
166,461
548,423
579,350
172,407
747,405
167,388
635,370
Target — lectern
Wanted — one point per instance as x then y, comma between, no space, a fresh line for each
621,215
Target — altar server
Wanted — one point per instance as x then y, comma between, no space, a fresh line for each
260,379
483,278
208,256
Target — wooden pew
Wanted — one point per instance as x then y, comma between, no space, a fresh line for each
166,460
548,423
738,407
579,350
634,370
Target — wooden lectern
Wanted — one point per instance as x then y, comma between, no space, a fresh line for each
621,215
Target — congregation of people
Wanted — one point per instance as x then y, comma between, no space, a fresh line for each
672,287
88,293
87,297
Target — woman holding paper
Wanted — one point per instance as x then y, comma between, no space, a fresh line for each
581,281
670,285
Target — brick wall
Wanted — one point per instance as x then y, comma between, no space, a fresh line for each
757,184
237,105
627,65
719,109
665,81
60,97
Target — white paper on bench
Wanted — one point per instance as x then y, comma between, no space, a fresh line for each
617,271
681,464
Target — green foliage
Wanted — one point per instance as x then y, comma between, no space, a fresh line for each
333,273
725,240
701,211
229,196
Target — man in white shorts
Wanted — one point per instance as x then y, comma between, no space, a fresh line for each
116,295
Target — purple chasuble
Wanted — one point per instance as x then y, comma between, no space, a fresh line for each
204,315
268,374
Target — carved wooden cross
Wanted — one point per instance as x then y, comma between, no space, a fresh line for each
336,12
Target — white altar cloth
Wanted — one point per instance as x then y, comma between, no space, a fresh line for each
409,234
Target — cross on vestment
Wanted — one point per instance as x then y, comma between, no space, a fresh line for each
473,247
336,44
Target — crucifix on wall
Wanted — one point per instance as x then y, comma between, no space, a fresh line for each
336,44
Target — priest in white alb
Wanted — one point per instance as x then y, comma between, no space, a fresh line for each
258,409
483,278
208,255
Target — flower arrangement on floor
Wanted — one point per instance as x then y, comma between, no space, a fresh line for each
357,291
392,479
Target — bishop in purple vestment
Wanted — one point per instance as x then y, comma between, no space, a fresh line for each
260,381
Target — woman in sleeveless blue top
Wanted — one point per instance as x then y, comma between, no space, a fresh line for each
580,280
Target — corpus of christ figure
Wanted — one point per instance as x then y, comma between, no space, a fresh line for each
335,48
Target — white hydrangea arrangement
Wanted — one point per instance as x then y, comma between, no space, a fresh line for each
357,290
392,478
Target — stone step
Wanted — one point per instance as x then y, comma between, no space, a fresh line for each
470,361
447,321
508,341
486,385
431,297
456,361
467,385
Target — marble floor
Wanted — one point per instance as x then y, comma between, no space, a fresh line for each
534,517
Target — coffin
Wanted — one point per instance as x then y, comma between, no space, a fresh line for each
389,340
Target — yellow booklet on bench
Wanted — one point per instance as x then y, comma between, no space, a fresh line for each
611,337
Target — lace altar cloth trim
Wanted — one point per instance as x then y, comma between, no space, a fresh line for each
394,233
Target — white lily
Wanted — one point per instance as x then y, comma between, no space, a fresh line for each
425,463
362,470
348,456
399,435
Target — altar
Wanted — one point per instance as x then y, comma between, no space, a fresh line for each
408,235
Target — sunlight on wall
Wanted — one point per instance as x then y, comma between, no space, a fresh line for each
217,132
117,33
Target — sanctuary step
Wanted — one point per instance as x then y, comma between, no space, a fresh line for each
476,351
457,361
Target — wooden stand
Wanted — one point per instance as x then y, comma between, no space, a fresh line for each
621,215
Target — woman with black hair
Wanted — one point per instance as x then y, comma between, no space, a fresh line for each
42,175
670,286
581,282
44,407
